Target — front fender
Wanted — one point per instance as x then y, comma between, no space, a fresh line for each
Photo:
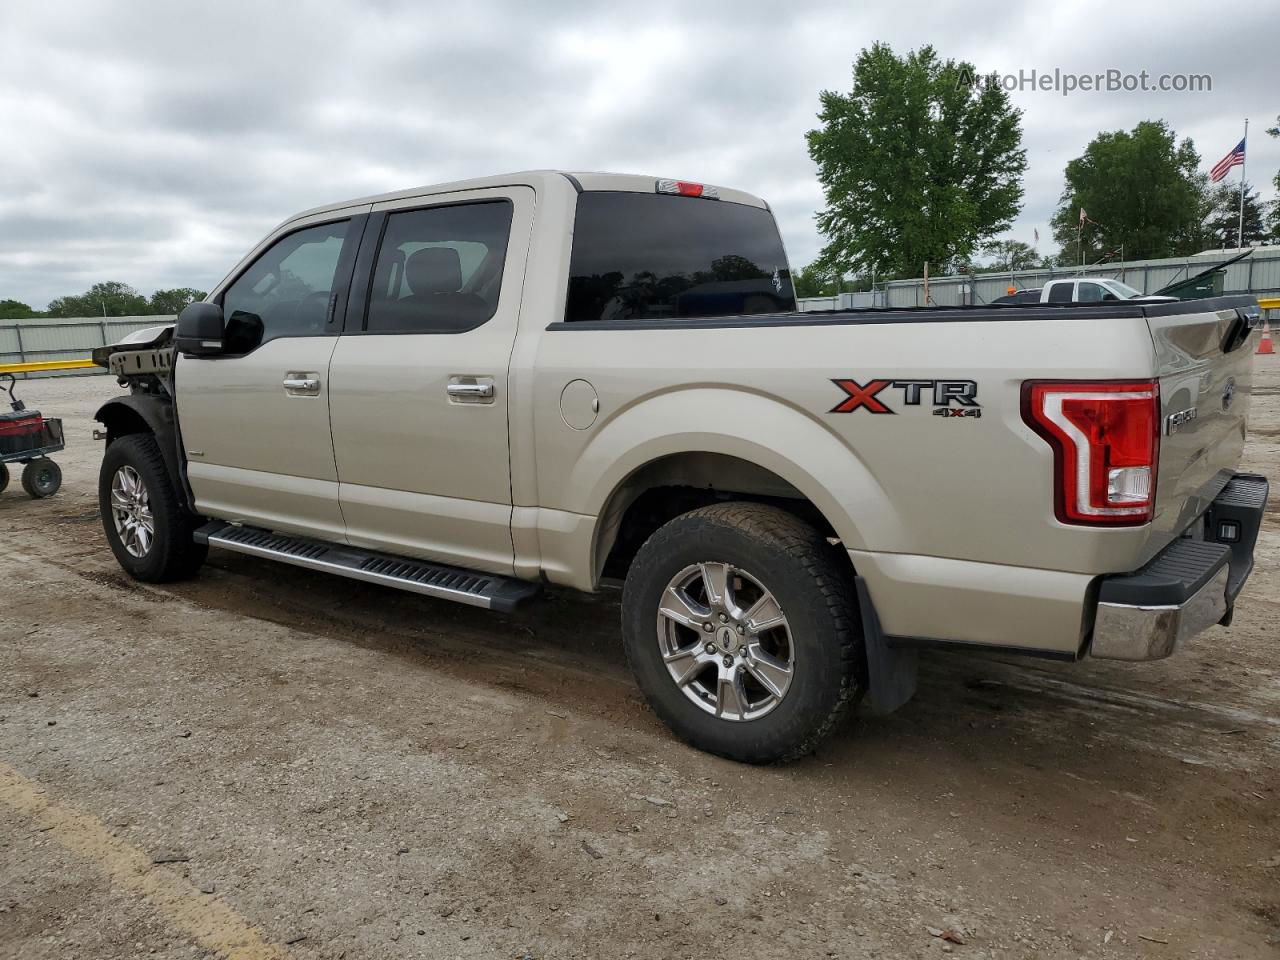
763,430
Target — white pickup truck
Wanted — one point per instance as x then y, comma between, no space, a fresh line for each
473,389
1082,290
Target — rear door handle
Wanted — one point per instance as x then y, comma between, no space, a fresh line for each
302,384
470,389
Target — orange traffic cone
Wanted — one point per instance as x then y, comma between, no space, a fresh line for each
1264,345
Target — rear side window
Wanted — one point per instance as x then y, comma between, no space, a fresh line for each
1061,292
642,256
439,269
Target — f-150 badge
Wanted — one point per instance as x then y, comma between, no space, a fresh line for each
940,394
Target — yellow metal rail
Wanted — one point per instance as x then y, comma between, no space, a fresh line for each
1269,303
46,366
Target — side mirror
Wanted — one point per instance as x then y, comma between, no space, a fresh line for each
199,331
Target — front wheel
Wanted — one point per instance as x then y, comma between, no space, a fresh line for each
740,625
148,530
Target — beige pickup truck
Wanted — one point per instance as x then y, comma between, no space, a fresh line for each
474,389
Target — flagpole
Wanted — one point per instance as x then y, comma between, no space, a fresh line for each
1243,156
1080,240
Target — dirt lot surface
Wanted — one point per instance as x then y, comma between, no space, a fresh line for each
267,762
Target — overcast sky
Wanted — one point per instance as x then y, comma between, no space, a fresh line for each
154,143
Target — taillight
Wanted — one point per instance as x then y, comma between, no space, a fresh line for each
685,189
1106,442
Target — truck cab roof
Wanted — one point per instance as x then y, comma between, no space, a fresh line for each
539,180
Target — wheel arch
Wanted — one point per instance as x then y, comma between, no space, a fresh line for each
678,483
144,413
732,444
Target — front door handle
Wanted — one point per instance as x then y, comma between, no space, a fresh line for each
470,389
302,384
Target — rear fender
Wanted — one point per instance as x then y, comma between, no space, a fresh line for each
782,439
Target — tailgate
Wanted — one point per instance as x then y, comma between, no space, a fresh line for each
1204,362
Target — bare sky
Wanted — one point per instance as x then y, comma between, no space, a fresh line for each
154,143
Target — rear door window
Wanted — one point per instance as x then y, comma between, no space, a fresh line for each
439,269
1061,292
643,256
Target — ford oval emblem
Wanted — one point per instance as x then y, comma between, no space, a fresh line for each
1228,393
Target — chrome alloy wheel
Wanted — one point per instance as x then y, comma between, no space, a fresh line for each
131,512
725,641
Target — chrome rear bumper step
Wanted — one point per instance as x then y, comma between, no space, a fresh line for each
486,590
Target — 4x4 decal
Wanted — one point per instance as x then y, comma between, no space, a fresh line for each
940,393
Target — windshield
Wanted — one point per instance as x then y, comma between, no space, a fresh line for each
1123,290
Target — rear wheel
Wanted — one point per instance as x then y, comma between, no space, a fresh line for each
41,478
4,476
740,624
148,530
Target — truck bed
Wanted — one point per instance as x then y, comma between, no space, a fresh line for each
974,313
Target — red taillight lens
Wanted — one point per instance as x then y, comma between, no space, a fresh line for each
1106,442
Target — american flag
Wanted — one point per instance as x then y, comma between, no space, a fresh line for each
1233,159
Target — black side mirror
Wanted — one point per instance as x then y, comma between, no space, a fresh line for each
199,332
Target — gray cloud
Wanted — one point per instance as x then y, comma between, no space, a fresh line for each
155,143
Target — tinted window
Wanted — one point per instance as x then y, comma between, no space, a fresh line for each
1061,292
285,292
439,270
1021,296
1091,293
642,256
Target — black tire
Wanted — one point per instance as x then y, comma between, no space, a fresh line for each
41,478
4,476
813,587
172,554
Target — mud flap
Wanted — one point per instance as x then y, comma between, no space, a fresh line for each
891,671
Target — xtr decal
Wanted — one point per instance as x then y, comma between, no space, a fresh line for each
940,394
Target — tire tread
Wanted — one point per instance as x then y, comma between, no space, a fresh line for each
179,555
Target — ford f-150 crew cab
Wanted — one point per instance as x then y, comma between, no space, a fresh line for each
473,389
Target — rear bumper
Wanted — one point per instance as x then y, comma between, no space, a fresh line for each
1189,586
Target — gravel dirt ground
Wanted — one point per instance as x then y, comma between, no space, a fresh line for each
266,762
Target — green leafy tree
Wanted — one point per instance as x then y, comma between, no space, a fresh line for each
16,310
812,281
807,283
1143,191
173,301
110,299
1009,255
1223,225
921,161
1274,231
